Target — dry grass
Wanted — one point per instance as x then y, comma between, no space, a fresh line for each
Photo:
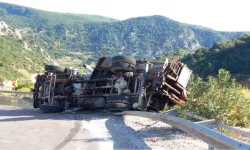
237,136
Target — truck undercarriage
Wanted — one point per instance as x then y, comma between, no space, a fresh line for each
115,84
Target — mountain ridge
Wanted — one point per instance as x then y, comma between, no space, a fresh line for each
40,17
142,37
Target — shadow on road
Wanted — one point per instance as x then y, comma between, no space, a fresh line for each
123,136
24,114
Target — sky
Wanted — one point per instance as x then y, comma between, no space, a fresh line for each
222,15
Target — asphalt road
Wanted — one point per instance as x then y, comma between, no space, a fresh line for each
24,128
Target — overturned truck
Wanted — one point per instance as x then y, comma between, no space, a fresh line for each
116,83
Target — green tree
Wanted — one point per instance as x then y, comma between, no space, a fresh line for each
219,98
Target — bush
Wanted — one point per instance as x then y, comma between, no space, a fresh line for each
219,98
25,86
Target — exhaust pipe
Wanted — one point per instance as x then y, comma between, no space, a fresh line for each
90,69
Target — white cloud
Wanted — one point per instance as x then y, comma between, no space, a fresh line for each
226,15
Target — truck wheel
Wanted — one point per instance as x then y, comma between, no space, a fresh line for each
120,66
36,101
46,108
125,59
51,68
117,107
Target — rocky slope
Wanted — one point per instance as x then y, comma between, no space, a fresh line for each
19,58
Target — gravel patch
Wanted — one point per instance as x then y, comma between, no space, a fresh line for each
159,135
243,138
128,132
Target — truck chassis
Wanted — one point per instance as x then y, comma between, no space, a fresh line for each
116,83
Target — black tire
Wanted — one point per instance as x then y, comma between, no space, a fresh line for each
46,108
125,59
117,107
36,101
120,66
51,68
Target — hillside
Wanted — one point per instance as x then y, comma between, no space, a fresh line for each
18,61
232,55
140,37
153,35
19,16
